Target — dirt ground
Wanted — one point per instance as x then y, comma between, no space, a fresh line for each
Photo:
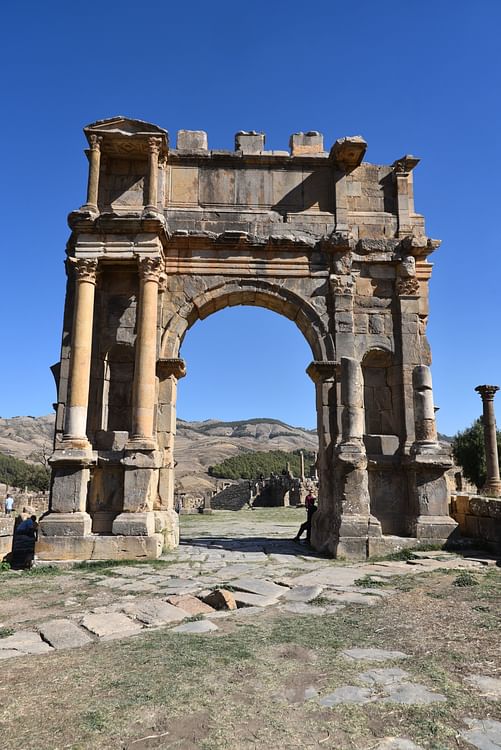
246,685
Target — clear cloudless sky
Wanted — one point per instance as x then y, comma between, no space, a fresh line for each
417,77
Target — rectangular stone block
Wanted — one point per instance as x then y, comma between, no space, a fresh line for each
69,490
139,489
66,524
249,142
99,547
311,142
191,140
134,524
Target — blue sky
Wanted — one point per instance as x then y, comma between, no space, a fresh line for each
415,77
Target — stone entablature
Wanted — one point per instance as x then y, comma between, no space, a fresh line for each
169,236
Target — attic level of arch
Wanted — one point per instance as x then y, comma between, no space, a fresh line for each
249,194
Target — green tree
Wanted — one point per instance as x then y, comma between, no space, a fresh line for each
252,465
17,473
469,452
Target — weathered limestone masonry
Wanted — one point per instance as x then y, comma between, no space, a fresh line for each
169,236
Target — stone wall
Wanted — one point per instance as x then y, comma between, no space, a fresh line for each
39,501
6,530
479,518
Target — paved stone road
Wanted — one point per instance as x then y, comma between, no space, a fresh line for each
264,570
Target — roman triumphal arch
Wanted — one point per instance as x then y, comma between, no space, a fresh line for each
170,235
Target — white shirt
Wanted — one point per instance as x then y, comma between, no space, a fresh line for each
9,503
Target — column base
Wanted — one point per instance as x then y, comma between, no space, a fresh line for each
492,488
93,547
167,524
141,444
434,529
66,525
134,524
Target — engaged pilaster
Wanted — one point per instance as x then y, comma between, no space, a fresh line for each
154,145
94,154
492,486
143,399
81,346
405,193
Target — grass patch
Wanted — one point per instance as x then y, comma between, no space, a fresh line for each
94,720
44,570
465,578
367,582
320,601
5,632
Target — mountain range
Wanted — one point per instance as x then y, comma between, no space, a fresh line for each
198,444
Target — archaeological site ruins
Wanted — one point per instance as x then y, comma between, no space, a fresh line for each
169,235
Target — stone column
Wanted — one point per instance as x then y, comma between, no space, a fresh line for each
169,372
301,466
352,479
352,400
143,396
154,150
424,409
428,518
326,518
94,167
80,358
492,486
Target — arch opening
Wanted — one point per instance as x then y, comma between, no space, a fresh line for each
247,390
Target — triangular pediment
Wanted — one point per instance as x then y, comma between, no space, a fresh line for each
124,126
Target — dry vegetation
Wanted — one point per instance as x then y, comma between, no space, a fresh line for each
238,688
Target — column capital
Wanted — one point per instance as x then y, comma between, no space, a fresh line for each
151,269
487,392
407,286
320,371
95,142
405,164
84,269
171,366
154,144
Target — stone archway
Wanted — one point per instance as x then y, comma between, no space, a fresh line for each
168,236
191,301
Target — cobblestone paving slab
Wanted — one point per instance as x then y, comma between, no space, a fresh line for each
302,593
111,625
62,634
197,627
138,587
487,687
349,597
245,599
348,694
154,611
373,654
190,604
388,676
261,587
303,608
484,734
23,642
411,694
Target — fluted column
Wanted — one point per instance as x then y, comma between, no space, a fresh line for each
154,150
81,347
143,403
492,486
94,168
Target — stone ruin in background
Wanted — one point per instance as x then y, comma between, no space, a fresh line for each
171,235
